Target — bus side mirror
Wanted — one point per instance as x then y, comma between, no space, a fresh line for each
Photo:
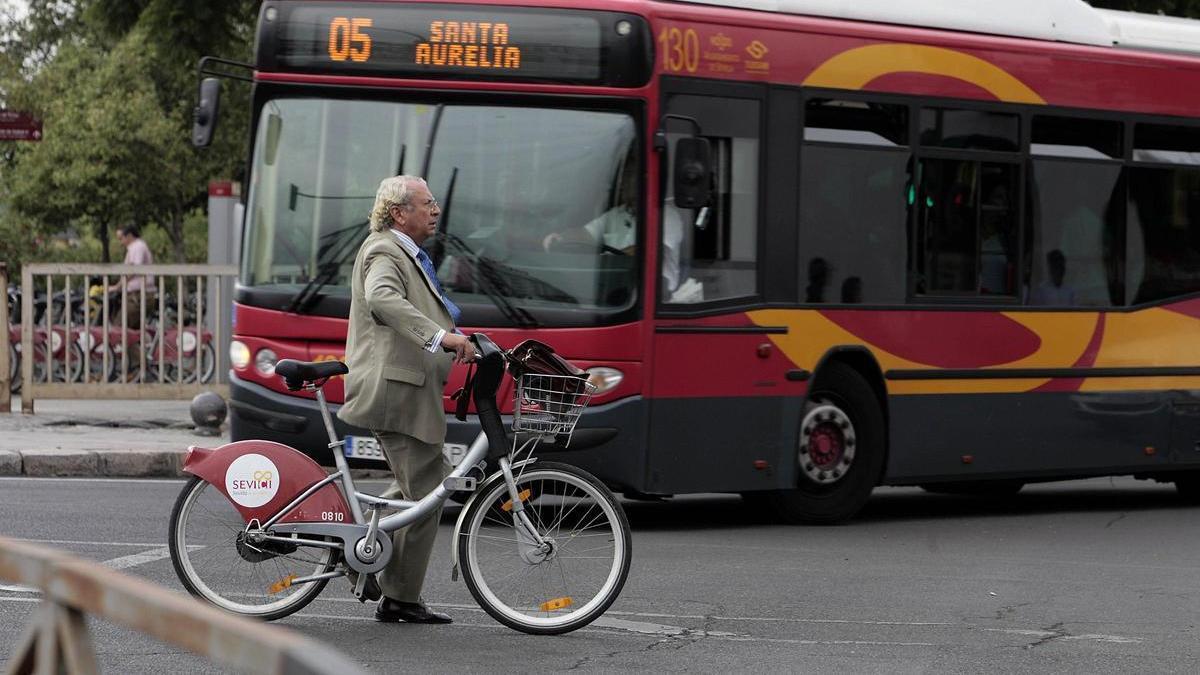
204,115
693,164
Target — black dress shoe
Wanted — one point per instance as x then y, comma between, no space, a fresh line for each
390,611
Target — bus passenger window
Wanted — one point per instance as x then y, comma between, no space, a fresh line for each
1163,226
968,223
1077,210
854,176
1163,233
970,129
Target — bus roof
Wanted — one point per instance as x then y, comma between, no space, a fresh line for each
1072,21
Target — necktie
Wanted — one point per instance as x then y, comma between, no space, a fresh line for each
427,265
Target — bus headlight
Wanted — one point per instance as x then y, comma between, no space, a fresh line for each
604,378
264,362
239,354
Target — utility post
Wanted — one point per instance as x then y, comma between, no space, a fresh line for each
224,248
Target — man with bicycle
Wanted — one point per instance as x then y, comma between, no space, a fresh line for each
401,326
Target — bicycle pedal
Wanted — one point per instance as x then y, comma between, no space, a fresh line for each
459,483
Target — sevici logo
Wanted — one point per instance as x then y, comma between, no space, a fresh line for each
252,480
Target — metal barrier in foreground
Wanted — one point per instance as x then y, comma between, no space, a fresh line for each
121,331
57,639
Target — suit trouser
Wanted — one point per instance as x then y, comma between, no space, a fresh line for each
419,467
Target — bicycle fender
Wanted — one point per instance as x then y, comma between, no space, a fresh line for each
261,477
462,513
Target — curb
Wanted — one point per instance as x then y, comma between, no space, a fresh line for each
58,463
93,463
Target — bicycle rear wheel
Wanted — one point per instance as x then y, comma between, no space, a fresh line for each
216,563
568,583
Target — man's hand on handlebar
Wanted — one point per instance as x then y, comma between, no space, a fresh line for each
461,345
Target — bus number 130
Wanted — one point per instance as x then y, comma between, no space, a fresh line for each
680,49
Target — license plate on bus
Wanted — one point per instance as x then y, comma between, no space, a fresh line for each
366,447
363,447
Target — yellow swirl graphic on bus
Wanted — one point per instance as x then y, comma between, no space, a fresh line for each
856,68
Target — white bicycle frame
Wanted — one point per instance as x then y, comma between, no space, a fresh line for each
364,551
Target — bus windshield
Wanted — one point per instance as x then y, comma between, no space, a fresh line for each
539,220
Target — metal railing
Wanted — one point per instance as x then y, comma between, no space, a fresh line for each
120,331
57,639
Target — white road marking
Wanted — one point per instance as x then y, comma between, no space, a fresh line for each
609,620
608,624
127,561
18,589
1120,639
702,617
638,626
138,544
606,630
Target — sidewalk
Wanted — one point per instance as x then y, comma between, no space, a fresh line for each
99,438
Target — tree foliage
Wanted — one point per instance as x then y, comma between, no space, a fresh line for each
114,84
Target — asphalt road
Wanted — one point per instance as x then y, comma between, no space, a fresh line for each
1092,576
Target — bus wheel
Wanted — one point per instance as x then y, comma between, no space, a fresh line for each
1188,487
839,450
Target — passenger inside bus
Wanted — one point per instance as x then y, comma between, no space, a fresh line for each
1053,291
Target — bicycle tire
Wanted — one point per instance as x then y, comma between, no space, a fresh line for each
550,485
229,576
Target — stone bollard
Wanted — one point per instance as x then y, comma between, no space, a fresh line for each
208,412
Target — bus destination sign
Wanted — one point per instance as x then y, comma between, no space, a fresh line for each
454,41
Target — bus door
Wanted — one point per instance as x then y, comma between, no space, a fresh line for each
715,377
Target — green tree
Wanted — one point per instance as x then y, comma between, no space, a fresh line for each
114,83
107,154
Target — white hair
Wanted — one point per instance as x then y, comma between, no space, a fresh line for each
394,191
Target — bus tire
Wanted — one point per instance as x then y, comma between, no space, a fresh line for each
839,450
1187,485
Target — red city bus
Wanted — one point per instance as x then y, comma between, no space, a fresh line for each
804,249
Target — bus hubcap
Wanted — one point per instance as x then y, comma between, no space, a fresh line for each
827,444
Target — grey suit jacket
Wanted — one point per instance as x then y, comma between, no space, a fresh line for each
395,383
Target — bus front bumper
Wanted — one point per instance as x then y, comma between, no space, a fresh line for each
607,441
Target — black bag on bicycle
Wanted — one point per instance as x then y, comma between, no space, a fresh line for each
538,358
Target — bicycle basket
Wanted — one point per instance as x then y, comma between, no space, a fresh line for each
550,405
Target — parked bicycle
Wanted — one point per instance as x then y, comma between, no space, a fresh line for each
544,548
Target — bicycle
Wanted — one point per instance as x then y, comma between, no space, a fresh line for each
544,548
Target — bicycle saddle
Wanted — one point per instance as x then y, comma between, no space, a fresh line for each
296,373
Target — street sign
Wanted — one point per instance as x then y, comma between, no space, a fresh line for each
19,126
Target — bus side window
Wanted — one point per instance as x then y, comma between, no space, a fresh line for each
718,244
711,253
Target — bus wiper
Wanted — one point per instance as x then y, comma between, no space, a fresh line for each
486,283
511,312
342,249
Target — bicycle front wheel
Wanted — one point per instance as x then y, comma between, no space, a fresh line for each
567,581
216,563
